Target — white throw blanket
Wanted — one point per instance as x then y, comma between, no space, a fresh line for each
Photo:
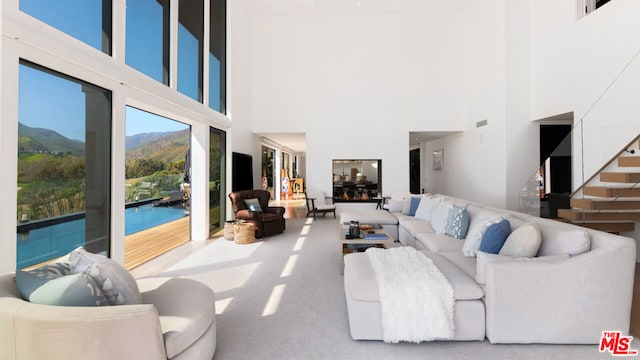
415,297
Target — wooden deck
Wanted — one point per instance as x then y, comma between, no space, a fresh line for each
148,244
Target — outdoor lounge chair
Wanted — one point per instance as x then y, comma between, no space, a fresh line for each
175,198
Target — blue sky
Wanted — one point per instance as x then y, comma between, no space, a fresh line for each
81,19
139,121
50,102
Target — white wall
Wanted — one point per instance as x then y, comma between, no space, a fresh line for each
357,85
239,50
357,88
475,161
7,217
522,135
532,60
605,100
553,24
588,66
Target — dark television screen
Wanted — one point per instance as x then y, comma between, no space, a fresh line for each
242,174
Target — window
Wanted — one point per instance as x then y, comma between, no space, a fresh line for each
147,38
268,170
88,21
190,48
217,56
217,171
148,46
64,165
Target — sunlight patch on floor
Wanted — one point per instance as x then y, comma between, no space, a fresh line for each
227,251
309,221
228,278
289,266
274,300
305,230
299,244
221,305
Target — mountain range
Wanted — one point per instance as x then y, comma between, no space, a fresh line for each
39,140
165,146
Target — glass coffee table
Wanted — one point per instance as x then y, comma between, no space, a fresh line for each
370,236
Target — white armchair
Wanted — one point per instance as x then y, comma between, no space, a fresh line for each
317,203
175,321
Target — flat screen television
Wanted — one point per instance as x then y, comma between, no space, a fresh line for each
242,173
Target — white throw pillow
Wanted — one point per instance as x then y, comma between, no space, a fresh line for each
474,236
523,241
556,240
483,259
395,205
440,216
426,208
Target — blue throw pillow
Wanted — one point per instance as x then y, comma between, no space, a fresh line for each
415,202
495,236
253,205
29,281
457,222
53,285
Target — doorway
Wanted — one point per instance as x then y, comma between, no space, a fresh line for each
555,168
268,166
414,171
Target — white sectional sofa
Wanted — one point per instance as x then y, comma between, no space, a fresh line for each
577,284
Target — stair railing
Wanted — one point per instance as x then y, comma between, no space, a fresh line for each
532,192
631,145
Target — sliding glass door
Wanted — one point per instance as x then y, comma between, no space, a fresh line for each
157,185
217,185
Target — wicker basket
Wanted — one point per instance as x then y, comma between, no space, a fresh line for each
244,233
228,230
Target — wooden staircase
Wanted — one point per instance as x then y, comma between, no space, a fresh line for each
613,204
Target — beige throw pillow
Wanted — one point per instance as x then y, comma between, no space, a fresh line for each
556,240
523,241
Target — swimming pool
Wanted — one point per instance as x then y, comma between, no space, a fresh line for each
49,242
143,217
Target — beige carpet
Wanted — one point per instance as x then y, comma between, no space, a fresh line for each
283,298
